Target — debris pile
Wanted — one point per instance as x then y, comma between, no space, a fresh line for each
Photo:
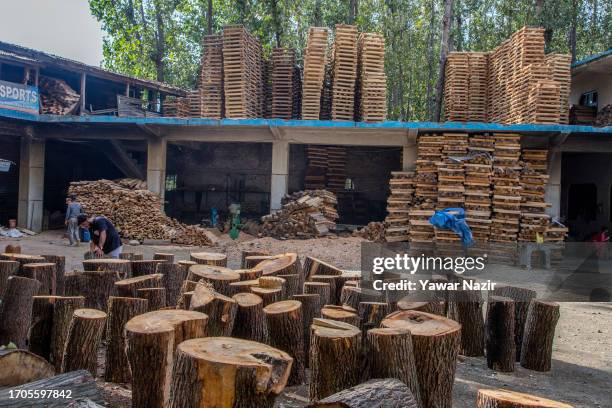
374,231
57,97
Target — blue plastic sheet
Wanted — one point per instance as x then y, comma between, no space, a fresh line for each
453,219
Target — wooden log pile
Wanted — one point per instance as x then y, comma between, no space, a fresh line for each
478,170
371,89
127,208
283,61
373,231
57,97
315,60
344,72
534,219
401,199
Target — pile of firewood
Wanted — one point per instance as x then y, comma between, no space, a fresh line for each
374,231
57,97
136,213
304,214
604,116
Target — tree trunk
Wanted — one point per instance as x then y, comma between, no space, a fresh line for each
465,307
286,332
292,285
314,266
521,298
344,314
353,10
173,277
269,295
245,254
160,42
121,266
573,28
22,259
155,296
43,272
21,366
142,268
120,311
16,310
318,15
311,309
501,350
95,286
390,355
227,372
350,296
41,326
63,311
60,271
220,309
511,399
129,287
209,18
433,307
536,352
539,7
249,274
334,296
283,264
219,277
249,323
159,256
319,288
209,258
151,340
371,315
335,357
84,335
430,58
444,47
375,393
459,23
436,341
7,268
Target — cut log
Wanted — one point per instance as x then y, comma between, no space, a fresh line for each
465,307
311,309
63,310
335,357
121,266
250,319
542,318
371,315
249,274
332,280
172,280
219,277
268,294
84,335
129,287
344,314
283,264
252,261
245,254
44,272
39,341
387,393
96,286
435,340
499,334
16,310
243,286
220,309
120,311
511,399
23,259
184,301
433,307
151,340
155,296
366,294
292,284
286,332
227,372
60,271
168,258
319,288
147,267
390,355
209,258
314,266
21,366
7,268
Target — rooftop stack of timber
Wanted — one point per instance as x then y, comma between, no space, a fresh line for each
267,88
283,61
296,105
194,99
304,214
560,70
336,168
315,178
478,170
371,92
315,59
583,115
344,72
210,80
477,86
533,184
401,199
456,87
242,74
176,107
57,97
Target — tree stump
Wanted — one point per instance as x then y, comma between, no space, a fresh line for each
143,268
390,355
286,332
499,334
292,284
335,357
344,314
314,266
332,280
433,307
151,340
219,277
44,272
209,258
371,314
23,259
155,296
245,254
63,310
172,280
273,282
129,287
465,307
283,264
227,372
168,258
185,300
21,366
351,296
435,340
96,286
249,274
521,297
120,311
220,309
41,326
16,310
121,266
84,335
7,268
60,271
366,294
542,318
249,323
311,309
251,261
322,289
389,393
511,399
243,286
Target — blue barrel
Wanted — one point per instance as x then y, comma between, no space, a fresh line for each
85,236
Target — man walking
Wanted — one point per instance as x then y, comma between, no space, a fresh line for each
105,239
73,210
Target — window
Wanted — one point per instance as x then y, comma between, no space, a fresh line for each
589,99
170,182
582,202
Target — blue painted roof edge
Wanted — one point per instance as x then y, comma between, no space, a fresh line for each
468,126
592,58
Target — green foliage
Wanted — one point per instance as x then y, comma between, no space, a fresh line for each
411,29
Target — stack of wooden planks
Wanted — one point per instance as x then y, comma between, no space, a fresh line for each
456,87
371,90
176,107
478,170
429,153
534,177
316,172
296,103
336,168
401,199
559,66
344,72
315,59
57,97
583,115
267,88
210,80
283,61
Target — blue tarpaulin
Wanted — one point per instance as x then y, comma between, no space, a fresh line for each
453,219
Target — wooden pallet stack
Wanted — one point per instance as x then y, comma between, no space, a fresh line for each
336,168
583,115
283,61
399,203
522,86
267,88
315,59
533,186
296,103
477,96
176,107
560,69
194,99
344,72
316,172
326,93
456,87
371,90
478,170
210,80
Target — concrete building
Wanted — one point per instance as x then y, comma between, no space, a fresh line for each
592,81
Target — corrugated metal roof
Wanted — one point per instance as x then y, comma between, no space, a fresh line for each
592,58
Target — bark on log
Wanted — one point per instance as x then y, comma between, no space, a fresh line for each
44,272
366,294
542,318
63,311
465,307
252,261
283,264
286,332
16,310
511,399
371,314
314,266
155,296
387,393
270,294
390,354
129,287
120,311
273,282
219,277
344,314
172,280
39,341
23,259
249,323
227,372
499,334
332,280
151,340
84,335
209,258
319,288
311,309
121,266
159,256
96,286
335,357
435,340
292,285
60,271
220,309
142,268
249,274
184,301
7,268
21,366
245,254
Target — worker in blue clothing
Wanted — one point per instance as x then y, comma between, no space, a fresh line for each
73,210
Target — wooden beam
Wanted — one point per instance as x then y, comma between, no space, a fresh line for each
127,90
36,76
83,91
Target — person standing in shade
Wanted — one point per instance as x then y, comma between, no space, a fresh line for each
105,239
73,210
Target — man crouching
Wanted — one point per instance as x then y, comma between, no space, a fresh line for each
105,239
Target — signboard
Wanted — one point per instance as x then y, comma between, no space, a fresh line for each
23,98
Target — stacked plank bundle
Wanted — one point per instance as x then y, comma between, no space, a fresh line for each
210,80
397,226
478,186
371,92
315,178
559,66
57,97
344,72
533,184
583,115
456,87
283,61
242,74
267,88
429,155
315,60
336,165
326,92
176,107
296,105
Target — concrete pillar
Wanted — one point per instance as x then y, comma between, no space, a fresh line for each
156,165
553,188
280,173
409,157
31,184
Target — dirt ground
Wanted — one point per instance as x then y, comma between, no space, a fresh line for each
582,357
